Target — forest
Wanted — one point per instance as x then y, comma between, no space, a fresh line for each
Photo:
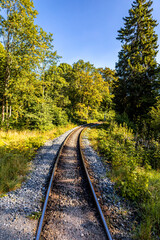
39,94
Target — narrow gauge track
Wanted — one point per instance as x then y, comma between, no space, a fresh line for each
69,210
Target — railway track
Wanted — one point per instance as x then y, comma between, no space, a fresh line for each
71,209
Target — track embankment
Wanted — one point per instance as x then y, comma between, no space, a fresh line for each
71,212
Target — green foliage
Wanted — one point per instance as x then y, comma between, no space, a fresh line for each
59,116
109,76
110,116
34,92
155,116
149,227
131,171
35,215
151,154
2,67
28,52
87,91
117,144
123,118
135,89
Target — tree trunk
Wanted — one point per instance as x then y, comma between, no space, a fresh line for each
5,103
10,111
7,110
3,111
6,77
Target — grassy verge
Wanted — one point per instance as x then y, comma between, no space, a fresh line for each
17,149
132,174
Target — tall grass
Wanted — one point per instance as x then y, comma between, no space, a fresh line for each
17,149
132,174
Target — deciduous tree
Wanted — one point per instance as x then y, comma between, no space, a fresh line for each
26,46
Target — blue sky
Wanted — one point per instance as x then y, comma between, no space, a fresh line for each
87,29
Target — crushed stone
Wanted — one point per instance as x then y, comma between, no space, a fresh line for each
17,206
120,214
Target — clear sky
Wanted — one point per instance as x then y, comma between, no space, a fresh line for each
87,29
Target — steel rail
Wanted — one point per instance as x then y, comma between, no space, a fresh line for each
92,189
40,225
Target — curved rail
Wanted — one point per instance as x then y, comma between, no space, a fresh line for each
40,225
93,191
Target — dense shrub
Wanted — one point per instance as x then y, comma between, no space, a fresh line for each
131,170
155,116
117,144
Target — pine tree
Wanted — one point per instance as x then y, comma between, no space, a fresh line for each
136,67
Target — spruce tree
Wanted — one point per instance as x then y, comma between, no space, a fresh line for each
136,67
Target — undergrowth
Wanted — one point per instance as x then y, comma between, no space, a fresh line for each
17,149
132,173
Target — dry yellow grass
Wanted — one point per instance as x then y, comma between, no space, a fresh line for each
17,149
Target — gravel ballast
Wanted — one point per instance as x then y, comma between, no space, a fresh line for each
71,213
17,206
119,213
